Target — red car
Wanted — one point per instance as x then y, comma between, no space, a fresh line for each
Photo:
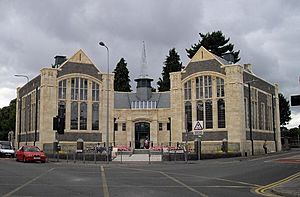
30,153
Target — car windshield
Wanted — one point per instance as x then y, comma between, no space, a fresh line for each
4,146
31,149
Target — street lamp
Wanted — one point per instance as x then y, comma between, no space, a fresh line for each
25,76
107,103
20,100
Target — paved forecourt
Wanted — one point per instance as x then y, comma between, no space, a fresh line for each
233,177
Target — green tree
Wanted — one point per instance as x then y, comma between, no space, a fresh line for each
122,80
172,64
7,119
216,43
285,111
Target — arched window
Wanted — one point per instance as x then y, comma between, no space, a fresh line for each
188,116
95,116
83,116
221,113
74,115
208,114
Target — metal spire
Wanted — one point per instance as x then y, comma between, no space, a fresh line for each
144,62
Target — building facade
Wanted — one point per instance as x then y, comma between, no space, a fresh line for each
233,103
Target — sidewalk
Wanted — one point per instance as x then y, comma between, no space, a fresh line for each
289,189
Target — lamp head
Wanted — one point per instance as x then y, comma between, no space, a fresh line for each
101,44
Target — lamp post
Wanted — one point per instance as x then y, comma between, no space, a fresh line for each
107,103
25,76
20,100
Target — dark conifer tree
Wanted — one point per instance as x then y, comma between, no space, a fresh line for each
172,64
285,111
216,43
121,82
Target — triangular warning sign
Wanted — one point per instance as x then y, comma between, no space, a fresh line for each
198,126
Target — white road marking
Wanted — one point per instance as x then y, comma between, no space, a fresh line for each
104,183
27,183
184,185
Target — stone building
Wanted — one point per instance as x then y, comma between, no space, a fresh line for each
209,89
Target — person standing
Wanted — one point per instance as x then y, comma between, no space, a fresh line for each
265,147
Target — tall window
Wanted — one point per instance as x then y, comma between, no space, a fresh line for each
83,116
200,111
83,89
62,89
221,113
220,87
262,119
187,90
207,87
95,91
203,87
74,88
74,115
246,105
208,114
95,116
188,116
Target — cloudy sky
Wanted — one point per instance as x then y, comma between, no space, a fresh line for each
32,32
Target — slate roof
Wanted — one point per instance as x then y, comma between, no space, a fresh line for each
72,67
208,65
123,99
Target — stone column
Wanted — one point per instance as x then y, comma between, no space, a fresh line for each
234,105
176,105
48,104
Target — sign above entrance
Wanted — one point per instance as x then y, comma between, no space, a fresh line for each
198,127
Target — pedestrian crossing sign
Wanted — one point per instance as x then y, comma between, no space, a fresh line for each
198,127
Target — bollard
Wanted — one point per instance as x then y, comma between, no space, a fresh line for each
95,158
74,157
83,157
121,156
67,157
162,153
149,157
175,156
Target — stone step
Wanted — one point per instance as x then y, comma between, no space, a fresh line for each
141,151
137,157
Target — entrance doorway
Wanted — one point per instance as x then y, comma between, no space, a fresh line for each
142,133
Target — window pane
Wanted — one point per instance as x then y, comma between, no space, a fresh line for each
160,125
95,116
188,116
74,115
221,113
74,88
208,115
123,126
200,111
83,116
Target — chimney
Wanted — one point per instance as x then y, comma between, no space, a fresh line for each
59,59
228,57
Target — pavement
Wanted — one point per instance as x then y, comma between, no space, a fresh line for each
288,189
290,186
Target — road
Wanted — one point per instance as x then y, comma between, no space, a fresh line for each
218,177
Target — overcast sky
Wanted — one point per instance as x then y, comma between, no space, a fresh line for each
32,32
